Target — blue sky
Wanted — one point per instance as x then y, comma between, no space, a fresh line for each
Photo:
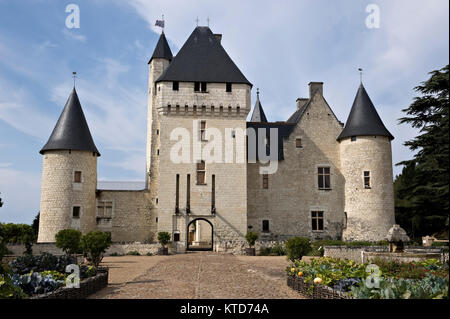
279,45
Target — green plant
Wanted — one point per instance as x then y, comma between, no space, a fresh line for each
8,290
251,238
149,254
133,253
163,238
94,244
69,241
297,247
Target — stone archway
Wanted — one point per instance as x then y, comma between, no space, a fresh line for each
197,235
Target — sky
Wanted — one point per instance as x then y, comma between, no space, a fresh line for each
280,46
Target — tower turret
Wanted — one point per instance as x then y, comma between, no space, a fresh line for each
258,112
160,60
69,175
366,164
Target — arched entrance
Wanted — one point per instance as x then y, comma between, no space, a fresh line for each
200,234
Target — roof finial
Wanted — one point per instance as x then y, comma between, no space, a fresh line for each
360,74
196,20
257,93
74,74
207,19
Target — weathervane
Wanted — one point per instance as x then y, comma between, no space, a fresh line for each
207,19
196,20
360,74
74,74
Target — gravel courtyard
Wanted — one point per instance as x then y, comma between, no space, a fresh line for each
197,275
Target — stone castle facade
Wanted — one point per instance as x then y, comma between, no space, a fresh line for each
329,181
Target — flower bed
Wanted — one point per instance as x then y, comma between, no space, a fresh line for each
44,276
336,279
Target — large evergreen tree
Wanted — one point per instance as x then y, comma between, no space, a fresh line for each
422,190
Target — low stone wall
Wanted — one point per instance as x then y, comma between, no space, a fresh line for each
19,249
400,257
359,253
238,247
143,249
318,291
88,286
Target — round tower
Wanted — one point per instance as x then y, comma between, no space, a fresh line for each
69,175
366,164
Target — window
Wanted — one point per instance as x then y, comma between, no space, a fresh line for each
317,220
176,237
201,172
353,138
265,181
175,85
228,87
77,177
265,226
366,179
157,132
157,151
196,86
298,143
104,209
213,193
203,130
177,193
203,86
76,211
324,178
188,193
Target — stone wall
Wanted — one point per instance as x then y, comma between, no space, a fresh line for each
370,211
59,194
293,189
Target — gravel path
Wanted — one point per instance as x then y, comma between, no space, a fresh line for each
197,275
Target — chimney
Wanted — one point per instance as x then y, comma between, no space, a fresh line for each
315,87
301,102
218,37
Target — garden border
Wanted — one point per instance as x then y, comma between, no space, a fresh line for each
88,286
319,291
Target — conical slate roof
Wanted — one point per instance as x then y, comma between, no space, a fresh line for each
363,118
203,59
162,49
71,131
258,112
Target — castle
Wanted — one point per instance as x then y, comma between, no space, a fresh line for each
308,176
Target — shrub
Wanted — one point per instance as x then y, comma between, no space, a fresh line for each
297,247
251,238
27,263
163,238
149,254
278,250
8,290
94,244
69,241
133,253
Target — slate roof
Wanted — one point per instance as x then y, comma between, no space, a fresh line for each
71,131
162,49
284,129
363,118
258,112
297,115
203,59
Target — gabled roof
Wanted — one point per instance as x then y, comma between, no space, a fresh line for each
258,112
363,118
203,59
71,131
162,49
297,115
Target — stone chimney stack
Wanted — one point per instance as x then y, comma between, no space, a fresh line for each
315,87
218,37
301,102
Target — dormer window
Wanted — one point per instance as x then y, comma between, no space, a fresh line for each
175,85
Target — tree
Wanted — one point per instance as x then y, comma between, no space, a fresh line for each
422,192
251,238
69,240
163,238
1,203
35,224
94,245
297,247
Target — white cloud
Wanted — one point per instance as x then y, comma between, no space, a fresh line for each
73,34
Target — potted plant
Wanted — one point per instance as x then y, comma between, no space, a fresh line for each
251,239
164,239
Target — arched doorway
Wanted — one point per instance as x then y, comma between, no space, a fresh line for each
200,234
